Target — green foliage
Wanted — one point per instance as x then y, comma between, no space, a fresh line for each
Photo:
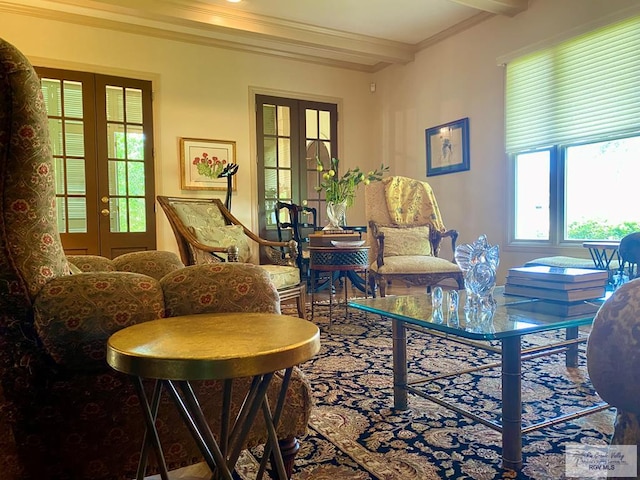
600,230
343,189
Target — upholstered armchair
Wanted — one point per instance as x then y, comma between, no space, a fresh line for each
613,361
71,416
405,233
205,230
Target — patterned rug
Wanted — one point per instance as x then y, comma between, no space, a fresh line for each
355,433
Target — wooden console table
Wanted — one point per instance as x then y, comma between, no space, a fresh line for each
220,346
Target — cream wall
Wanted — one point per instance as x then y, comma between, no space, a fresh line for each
206,92
458,78
201,92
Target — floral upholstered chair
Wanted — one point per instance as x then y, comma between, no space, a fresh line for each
405,233
613,361
205,230
71,415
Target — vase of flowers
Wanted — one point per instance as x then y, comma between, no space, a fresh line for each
340,191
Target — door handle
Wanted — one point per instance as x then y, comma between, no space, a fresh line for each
105,212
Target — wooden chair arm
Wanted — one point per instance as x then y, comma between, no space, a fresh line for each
437,237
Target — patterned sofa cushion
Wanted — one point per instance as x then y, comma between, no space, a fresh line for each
410,264
225,236
410,240
283,276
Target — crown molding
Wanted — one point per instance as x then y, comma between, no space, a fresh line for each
197,22
218,27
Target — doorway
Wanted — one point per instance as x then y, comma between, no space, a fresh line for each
101,130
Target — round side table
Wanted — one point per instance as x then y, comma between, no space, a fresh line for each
337,259
218,346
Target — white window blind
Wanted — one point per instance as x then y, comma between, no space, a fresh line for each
584,88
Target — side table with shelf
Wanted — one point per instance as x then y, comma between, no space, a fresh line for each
337,259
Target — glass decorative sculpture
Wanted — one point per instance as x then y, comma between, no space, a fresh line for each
479,264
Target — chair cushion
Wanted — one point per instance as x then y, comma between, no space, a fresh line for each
225,236
412,240
410,264
283,276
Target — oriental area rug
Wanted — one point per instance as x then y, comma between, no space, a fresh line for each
356,434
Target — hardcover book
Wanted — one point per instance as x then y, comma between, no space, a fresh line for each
559,274
529,282
555,294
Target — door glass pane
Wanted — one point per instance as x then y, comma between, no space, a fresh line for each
284,153
137,215
116,141
532,195
270,183
284,184
312,123
269,119
74,138
55,134
135,143
115,103
77,214
117,178
75,177
284,121
136,178
52,94
118,215
600,193
73,99
58,166
325,125
134,105
60,215
270,152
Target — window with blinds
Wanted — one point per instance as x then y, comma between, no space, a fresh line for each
573,125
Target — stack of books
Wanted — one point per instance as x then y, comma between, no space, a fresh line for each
558,284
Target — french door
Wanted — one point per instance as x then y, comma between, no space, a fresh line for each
291,134
101,132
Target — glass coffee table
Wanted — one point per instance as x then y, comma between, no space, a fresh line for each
502,333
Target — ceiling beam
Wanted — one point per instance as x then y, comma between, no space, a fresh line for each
509,8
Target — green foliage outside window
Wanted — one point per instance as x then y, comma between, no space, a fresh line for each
596,230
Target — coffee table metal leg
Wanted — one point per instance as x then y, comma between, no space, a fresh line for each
399,365
511,404
571,358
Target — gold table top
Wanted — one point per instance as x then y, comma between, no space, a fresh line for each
213,346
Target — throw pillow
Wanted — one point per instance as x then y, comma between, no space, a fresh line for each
399,241
225,237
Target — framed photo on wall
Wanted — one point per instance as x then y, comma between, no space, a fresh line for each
201,160
448,148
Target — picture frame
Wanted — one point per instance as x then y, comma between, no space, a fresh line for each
448,148
201,150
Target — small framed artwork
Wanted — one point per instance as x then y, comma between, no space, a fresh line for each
202,161
448,148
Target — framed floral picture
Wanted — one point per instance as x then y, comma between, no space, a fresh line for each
448,148
202,161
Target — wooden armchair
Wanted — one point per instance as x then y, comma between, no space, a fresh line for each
205,231
405,233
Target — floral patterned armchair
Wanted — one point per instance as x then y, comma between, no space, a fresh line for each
71,416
